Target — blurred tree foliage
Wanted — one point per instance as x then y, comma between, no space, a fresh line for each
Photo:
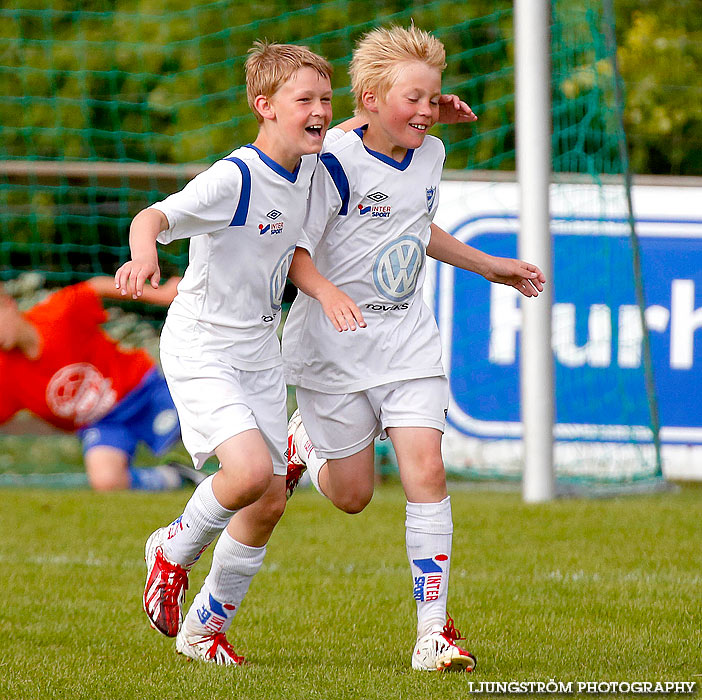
162,80
660,56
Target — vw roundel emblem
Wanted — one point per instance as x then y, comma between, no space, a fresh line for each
397,268
280,274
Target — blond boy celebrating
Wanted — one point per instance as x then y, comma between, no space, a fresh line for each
369,228
219,348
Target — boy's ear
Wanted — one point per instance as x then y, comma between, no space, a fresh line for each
369,100
264,107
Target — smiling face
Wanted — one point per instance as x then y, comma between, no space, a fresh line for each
296,117
399,120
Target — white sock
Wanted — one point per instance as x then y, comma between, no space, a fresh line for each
233,567
428,535
202,520
306,451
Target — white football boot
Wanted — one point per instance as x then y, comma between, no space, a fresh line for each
438,651
210,647
296,465
165,587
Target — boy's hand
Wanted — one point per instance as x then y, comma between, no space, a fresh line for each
526,278
130,278
453,110
340,309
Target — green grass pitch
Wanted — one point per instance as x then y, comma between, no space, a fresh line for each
574,590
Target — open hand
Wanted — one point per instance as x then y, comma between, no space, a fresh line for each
341,310
131,277
526,278
453,110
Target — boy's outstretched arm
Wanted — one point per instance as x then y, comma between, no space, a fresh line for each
524,277
105,288
131,277
338,306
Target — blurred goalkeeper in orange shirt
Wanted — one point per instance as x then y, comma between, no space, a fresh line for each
57,363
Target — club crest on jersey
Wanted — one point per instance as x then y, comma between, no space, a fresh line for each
427,584
278,278
79,392
376,210
397,266
431,197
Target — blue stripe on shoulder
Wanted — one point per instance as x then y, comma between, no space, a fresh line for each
242,209
340,180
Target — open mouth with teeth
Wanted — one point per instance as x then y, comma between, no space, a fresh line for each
315,129
419,127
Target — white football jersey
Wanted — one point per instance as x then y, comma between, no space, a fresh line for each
244,217
367,228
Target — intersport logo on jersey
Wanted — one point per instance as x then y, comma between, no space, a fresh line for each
376,210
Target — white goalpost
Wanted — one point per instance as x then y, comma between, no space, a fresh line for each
533,141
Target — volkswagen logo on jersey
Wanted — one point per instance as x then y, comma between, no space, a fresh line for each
428,583
280,274
397,267
431,197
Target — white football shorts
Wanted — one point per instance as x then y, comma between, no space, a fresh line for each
340,425
216,401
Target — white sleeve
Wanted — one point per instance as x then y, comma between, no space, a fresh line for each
328,195
332,136
206,204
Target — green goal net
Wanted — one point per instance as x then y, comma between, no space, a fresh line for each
107,108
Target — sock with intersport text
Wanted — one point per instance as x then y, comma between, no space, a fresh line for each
428,537
202,520
233,567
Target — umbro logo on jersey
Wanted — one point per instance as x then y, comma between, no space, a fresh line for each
377,197
273,214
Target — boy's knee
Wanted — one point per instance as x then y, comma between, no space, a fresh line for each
246,483
273,509
352,502
108,482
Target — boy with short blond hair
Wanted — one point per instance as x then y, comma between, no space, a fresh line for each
369,227
219,348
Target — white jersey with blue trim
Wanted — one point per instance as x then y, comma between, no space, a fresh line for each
367,228
244,217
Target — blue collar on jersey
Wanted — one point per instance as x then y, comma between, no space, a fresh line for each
276,167
402,165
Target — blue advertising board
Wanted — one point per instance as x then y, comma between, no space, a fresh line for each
597,329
